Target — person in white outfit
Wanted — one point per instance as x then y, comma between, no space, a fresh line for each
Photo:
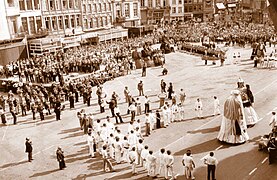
216,106
161,161
189,165
199,108
181,112
169,160
132,159
132,139
90,141
125,149
118,149
144,154
151,160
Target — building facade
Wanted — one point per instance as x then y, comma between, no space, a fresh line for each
126,13
194,9
61,17
177,10
96,14
20,18
155,11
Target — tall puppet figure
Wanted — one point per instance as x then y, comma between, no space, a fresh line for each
233,126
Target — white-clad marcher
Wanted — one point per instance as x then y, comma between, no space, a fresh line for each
144,154
165,115
169,161
111,141
125,150
151,161
189,165
161,161
199,108
132,159
132,139
216,106
118,149
90,141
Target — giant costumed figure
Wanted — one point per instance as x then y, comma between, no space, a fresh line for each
233,126
247,98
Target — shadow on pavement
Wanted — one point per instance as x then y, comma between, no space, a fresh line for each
203,147
70,130
44,173
13,164
74,135
205,131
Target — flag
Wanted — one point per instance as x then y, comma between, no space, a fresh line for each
24,41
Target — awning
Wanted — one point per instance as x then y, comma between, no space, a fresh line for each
232,5
220,6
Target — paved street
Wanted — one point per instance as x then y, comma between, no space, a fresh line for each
185,71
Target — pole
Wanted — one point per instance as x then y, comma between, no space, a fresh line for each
27,48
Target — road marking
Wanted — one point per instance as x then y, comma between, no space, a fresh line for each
4,135
265,87
269,113
252,171
48,148
264,160
219,147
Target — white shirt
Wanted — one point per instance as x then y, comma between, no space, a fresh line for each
144,153
162,158
132,139
151,159
90,140
188,160
216,103
133,156
117,146
169,160
210,160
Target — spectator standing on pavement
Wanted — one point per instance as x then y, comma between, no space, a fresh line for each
189,165
138,105
58,110
158,120
126,94
216,106
162,97
29,149
147,124
140,88
117,115
163,86
199,108
211,162
273,121
60,158
170,90
132,109
144,66
3,117
147,105
182,96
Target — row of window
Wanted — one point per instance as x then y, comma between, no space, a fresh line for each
97,22
26,4
192,1
62,22
194,8
33,23
53,5
149,3
174,10
97,7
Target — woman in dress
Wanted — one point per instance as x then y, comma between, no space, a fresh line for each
233,126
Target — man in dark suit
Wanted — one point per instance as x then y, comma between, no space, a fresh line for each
29,149
57,110
60,158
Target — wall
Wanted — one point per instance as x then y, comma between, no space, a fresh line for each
4,30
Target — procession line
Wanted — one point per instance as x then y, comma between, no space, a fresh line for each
252,171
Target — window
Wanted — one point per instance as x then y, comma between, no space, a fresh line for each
78,20
22,5
52,5
174,10
150,3
99,8
72,19
66,22
36,4
179,10
135,6
76,3
60,22
89,8
29,4
84,8
104,7
95,23
70,4
142,3
127,11
47,23
24,24
173,2
180,2
91,23
85,23
54,23
64,4
39,23
57,5
94,8
104,21
158,3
